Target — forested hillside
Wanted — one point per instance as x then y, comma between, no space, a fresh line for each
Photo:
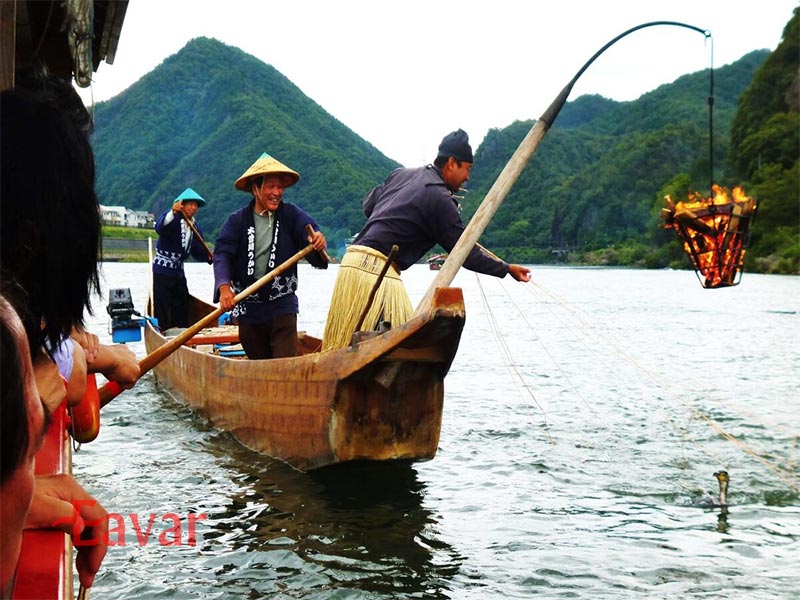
592,193
765,153
203,116
598,180
596,186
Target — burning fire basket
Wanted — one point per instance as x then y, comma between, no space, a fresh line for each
715,233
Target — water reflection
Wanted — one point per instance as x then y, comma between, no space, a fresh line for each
360,526
722,520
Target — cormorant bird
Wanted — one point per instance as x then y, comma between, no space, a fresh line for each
723,479
721,501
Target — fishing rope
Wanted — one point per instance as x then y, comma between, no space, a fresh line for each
607,426
664,385
754,418
584,338
784,474
544,348
616,347
596,415
505,351
711,122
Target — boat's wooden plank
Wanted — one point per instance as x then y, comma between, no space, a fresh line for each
202,340
224,334
429,354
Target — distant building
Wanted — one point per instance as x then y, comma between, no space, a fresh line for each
140,218
120,216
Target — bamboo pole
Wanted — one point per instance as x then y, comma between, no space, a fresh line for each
195,231
493,200
511,172
375,287
8,42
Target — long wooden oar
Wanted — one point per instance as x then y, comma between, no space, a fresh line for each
112,389
194,229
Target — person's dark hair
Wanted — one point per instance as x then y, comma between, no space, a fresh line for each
456,144
13,407
50,226
441,161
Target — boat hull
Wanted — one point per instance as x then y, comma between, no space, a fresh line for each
45,562
378,400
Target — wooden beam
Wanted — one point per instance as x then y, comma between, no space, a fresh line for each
8,41
431,354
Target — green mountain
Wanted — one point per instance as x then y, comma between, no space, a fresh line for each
594,188
765,152
598,180
203,116
597,183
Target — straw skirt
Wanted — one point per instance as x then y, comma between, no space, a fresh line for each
358,272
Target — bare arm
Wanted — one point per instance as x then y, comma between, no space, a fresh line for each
49,381
88,341
76,386
117,363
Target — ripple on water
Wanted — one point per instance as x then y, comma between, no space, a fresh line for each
571,475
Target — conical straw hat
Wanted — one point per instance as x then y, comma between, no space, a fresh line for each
190,194
266,165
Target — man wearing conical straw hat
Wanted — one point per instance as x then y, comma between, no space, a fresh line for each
176,242
252,242
414,209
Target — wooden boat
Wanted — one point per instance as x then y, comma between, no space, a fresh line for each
379,399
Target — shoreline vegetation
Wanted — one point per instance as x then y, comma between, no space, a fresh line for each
126,244
129,245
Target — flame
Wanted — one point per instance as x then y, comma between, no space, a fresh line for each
714,232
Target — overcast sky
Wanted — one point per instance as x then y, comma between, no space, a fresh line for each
403,73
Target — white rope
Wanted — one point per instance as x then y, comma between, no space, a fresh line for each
588,333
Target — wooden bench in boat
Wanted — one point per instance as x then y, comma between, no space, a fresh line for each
225,334
224,340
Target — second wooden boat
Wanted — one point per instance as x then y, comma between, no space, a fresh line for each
435,262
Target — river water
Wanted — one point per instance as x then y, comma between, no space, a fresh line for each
585,415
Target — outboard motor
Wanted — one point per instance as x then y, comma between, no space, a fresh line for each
124,326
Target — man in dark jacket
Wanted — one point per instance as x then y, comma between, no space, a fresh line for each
252,242
414,209
176,242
